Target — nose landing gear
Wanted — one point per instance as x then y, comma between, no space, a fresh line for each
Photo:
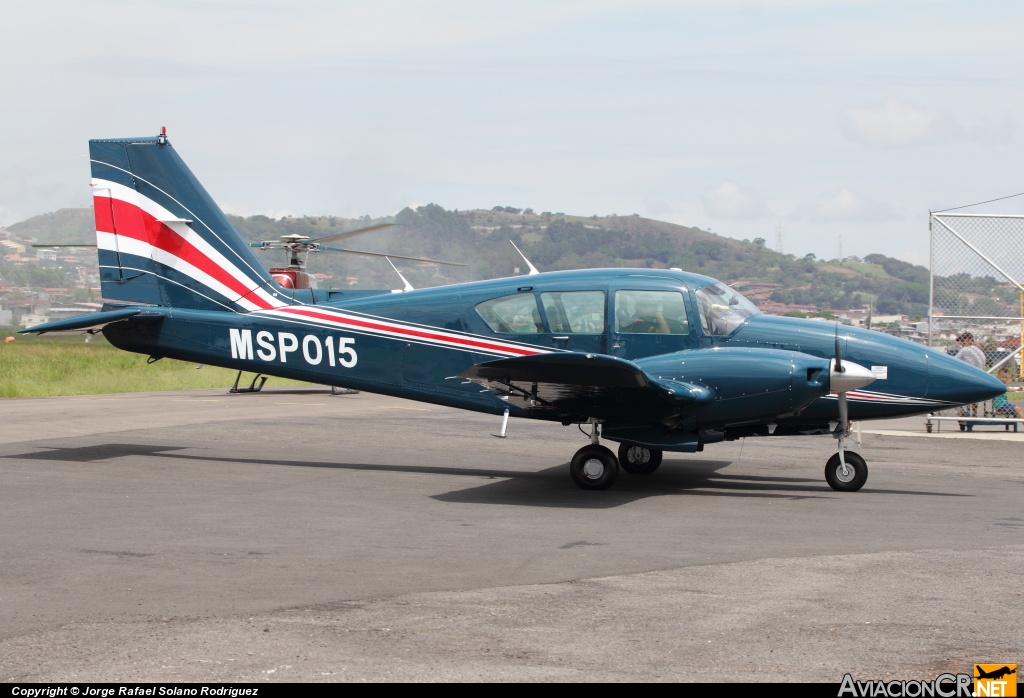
846,471
846,474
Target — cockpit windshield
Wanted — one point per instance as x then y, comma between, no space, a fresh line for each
722,309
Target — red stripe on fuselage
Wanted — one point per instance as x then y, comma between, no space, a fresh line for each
412,332
139,225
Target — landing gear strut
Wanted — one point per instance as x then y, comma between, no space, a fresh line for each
594,467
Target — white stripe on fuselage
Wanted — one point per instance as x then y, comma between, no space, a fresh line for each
352,322
887,398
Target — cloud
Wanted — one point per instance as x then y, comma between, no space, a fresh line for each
727,200
846,205
898,125
245,210
657,207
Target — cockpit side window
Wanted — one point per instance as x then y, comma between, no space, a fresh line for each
512,314
650,312
574,312
722,310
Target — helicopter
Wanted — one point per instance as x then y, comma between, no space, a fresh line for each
297,248
654,360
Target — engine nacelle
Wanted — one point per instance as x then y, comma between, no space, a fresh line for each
750,385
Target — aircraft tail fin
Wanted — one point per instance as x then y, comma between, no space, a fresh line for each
161,238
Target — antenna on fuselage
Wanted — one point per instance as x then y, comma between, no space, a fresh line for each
408,286
533,269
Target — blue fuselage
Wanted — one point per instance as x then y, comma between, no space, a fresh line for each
414,344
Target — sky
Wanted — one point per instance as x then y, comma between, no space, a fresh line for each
838,123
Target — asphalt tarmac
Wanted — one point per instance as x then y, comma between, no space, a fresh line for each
293,535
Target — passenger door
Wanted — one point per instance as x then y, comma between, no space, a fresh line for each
647,322
576,320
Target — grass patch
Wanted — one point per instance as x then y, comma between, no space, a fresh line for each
875,271
65,364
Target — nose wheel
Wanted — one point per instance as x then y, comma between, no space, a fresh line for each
848,474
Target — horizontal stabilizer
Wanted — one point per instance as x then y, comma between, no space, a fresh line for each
89,321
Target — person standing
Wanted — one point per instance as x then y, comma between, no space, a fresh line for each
970,352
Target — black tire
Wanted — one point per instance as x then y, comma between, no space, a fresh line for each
594,468
638,460
850,482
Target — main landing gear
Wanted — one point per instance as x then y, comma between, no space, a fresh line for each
638,460
595,467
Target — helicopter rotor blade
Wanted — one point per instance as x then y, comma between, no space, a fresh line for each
68,245
351,233
392,256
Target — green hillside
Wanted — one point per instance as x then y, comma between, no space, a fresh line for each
65,226
480,238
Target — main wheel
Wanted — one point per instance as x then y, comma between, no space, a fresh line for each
638,460
854,478
594,468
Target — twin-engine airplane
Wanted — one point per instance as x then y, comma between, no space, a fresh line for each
656,360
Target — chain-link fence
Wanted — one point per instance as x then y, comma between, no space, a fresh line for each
977,287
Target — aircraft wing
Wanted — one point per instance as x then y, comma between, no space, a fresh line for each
592,384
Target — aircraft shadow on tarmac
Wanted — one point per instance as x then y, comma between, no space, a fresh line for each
548,487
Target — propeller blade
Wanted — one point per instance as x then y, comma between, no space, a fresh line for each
392,256
839,358
352,233
69,245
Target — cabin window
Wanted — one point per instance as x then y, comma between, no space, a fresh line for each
518,314
650,312
722,309
574,312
